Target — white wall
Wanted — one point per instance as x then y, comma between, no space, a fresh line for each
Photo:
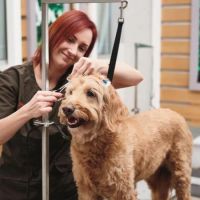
142,25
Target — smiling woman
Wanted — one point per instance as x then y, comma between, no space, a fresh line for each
71,38
21,102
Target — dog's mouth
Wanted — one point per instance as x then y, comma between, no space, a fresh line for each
74,122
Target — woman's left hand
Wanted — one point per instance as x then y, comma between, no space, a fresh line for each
84,66
124,75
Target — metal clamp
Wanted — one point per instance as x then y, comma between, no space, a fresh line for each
124,4
40,123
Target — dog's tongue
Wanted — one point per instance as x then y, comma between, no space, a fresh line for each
72,120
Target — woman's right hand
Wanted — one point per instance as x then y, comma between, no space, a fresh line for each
41,103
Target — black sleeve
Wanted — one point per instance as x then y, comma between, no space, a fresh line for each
9,81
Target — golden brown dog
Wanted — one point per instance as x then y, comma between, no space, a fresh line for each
112,150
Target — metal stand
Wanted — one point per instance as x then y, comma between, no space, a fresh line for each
45,86
136,110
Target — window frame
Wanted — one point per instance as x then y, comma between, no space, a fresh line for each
13,34
195,49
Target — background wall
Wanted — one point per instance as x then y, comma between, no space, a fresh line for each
142,26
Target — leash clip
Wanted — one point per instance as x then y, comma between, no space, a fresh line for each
124,4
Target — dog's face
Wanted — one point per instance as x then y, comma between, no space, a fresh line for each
86,105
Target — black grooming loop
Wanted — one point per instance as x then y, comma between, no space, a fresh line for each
115,49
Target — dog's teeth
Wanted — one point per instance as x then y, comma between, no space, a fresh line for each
72,120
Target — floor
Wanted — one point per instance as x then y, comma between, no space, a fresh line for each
144,193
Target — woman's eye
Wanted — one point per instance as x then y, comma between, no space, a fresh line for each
81,49
91,93
71,40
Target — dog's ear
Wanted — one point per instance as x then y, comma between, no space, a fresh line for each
114,110
60,115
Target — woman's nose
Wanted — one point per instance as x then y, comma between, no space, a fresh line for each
73,50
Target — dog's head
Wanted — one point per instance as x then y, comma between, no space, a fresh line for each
90,105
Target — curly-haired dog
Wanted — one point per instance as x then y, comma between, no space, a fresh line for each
112,150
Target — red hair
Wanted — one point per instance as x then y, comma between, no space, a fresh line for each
65,26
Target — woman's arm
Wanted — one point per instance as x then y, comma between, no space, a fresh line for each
11,124
39,105
124,74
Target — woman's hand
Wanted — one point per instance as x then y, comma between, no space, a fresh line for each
84,66
41,103
124,75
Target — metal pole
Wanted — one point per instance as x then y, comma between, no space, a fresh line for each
136,109
137,46
45,86
80,1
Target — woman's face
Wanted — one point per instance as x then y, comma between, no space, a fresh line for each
71,49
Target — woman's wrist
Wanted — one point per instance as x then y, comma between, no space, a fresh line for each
103,70
25,113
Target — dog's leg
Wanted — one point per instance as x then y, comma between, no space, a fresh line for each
181,171
125,190
182,180
160,184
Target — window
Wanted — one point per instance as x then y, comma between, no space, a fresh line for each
55,10
195,47
104,17
104,28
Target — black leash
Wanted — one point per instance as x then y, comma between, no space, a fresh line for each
115,49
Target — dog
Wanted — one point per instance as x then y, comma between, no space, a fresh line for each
111,150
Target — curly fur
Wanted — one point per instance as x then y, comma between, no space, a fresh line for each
113,150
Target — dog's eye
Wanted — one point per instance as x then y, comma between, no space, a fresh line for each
69,92
90,93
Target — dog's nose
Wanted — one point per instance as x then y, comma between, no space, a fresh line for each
68,110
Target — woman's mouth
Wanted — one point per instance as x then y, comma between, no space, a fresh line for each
66,57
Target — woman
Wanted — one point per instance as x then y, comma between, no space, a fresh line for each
71,39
